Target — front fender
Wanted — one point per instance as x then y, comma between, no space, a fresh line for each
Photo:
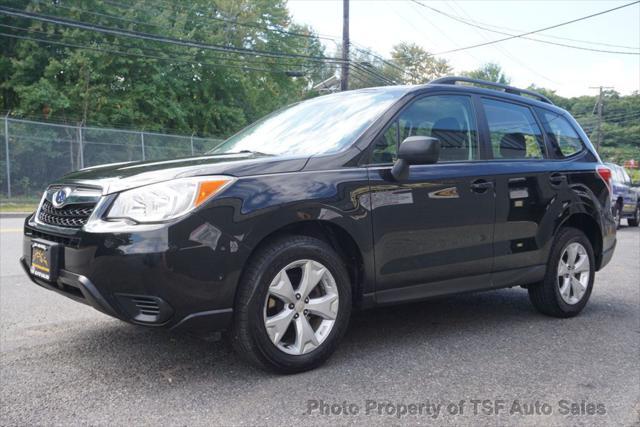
256,207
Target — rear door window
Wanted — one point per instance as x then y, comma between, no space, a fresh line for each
564,140
514,132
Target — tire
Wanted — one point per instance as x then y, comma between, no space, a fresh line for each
263,294
617,215
633,222
546,296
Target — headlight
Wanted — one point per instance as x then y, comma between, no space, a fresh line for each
166,200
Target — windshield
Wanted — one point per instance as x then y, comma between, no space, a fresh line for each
324,124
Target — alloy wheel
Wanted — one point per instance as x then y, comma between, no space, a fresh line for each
574,272
301,307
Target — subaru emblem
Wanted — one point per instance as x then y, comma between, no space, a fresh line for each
60,197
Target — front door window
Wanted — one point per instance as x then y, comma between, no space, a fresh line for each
450,118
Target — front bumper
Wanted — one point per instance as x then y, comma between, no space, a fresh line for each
161,277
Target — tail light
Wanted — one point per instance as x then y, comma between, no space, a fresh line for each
605,174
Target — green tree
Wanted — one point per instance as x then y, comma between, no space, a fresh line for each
419,65
491,72
152,85
89,78
620,126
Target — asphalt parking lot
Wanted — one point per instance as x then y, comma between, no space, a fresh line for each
65,363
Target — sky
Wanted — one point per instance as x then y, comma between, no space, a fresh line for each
378,25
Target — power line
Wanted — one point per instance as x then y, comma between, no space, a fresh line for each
164,28
365,78
233,22
158,38
58,5
203,15
438,29
171,40
493,26
281,61
187,43
503,50
373,72
362,71
369,52
623,123
522,35
611,117
139,55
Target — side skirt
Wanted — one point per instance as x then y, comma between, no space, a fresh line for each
502,279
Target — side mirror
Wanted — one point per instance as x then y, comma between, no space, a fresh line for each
415,150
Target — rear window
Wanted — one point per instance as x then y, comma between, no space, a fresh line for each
565,141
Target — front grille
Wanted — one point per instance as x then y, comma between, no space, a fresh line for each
73,216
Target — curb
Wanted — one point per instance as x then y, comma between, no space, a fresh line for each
14,214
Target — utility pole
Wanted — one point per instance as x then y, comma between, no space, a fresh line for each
344,80
599,110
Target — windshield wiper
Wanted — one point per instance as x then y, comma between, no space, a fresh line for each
258,153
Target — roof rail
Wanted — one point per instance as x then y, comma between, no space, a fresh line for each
506,88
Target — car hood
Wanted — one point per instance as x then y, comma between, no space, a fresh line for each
117,177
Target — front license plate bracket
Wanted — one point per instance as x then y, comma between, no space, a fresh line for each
45,259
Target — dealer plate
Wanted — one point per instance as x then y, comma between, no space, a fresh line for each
44,260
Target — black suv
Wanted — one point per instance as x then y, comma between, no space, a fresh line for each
350,200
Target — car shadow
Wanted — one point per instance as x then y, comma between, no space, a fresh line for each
169,359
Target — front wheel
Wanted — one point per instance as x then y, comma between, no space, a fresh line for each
633,221
568,282
293,305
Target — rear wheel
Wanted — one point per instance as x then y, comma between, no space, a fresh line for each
293,305
568,282
633,221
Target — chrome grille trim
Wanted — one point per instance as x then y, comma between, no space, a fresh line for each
67,216
74,213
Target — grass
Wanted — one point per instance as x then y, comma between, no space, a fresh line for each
634,174
17,205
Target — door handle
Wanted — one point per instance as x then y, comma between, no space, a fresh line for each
481,186
557,179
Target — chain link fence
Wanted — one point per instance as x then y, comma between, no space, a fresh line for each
36,153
